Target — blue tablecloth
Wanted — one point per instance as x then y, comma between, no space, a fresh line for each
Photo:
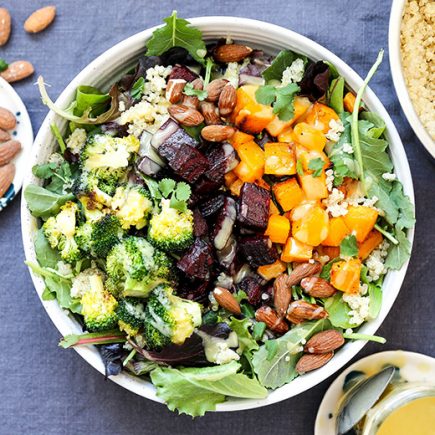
47,390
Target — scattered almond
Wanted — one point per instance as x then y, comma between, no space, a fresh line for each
270,317
231,53
317,287
186,115
8,150
18,70
174,90
40,19
7,119
4,136
214,89
324,342
209,110
226,300
217,133
309,362
5,26
190,101
7,173
282,294
303,270
227,100
300,310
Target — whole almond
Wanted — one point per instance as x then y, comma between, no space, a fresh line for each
300,310
282,294
227,100
8,150
324,342
226,300
7,173
303,270
270,317
217,133
190,101
18,70
317,287
214,89
7,119
5,26
4,136
40,19
231,53
186,115
209,111
174,90
308,362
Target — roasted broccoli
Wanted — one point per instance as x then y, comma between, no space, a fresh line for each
135,268
171,230
60,231
132,205
169,318
131,315
99,237
98,305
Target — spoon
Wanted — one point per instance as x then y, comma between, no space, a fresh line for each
361,398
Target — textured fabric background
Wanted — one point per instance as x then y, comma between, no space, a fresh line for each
47,390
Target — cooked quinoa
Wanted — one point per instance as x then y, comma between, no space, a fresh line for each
418,48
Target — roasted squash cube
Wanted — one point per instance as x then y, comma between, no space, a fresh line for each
310,225
314,187
360,220
271,271
294,250
279,159
337,231
319,116
345,275
288,194
278,228
308,136
372,241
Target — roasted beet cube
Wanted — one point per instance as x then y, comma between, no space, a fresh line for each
212,205
171,133
182,72
223,227
251,285
194,290
186,161
222,159
197,261
200,227
253,206
258,250
204,186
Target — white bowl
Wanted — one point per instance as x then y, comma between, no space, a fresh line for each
394,48
109,66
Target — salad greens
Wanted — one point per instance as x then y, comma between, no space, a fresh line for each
280,63
349,247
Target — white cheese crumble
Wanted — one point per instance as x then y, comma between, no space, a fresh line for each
329,179
389,177
335,203
76,140
349,331
348,148
293,73
218,350
375,262
359,308
336,127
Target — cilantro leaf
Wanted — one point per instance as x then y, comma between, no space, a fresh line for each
178,205
283,60
266,94
177,32
166,186
349,247
3,65
183,191
316,165
299,167
191,92
138,88
281,99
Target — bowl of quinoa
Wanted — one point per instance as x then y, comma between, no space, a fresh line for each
411,50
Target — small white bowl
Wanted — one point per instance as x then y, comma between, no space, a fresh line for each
394,48
107,68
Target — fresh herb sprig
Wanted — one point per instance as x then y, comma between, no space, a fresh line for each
280,97
178,193
3,65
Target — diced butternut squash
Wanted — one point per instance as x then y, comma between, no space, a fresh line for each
319,116
239,138
312,227
345,275
373,240
271,271
294,250
314,187
308,136
286,135
337,231
277,126
360,220
349,102
278,228
236,187
247,174
288,194
273,209
230,177
279,159
251,154
305,156
331,251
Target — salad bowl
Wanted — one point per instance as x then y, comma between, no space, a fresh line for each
116,61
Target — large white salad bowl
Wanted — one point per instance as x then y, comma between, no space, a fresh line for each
111,65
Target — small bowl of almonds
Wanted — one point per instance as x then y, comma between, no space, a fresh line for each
16,138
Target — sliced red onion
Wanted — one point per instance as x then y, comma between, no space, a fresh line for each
246,79
148,166
224,223
228,253
164,132
146,150
242,273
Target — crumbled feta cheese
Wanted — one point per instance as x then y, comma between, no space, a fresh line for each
76,140
348,148
329,179
64,268
335,203
375,262
335,130
296,350
389,177
232,73
287,358
359,308
303,341
293,73
218,350
349,331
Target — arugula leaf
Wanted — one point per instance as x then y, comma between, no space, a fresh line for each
272,348
280,369
58,174
316,165
406,217
376,125
338,312
349,247
3,65
283,60
398,254
281,99
137,89
177,32
202,94
335,94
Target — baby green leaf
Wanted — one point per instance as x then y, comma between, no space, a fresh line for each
137,88
282,61
336,90
349,247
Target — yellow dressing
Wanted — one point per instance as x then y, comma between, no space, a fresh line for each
414,418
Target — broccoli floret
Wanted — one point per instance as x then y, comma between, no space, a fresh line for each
81,283
99,237
60,230
92,208
169,318
132,205
135,268
98,306
171,230
131,315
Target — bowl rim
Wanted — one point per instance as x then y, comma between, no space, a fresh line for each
397,73
215,26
